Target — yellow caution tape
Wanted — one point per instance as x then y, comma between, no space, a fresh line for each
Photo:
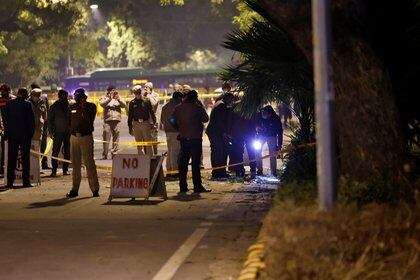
133,143
275,154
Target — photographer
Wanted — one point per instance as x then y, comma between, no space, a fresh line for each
112,104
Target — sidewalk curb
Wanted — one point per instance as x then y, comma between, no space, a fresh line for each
254,262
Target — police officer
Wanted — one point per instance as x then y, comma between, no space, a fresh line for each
44,135
82,116
141,119
112,104
40,112
189,117
58,126
153,96
19,127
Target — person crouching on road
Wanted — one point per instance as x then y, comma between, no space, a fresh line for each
112,104
189,117
19,127
270,129
141,119
171,132
82,117
40,112
59,130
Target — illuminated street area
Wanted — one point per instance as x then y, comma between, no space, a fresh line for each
47,236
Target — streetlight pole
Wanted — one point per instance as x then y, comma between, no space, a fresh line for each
324,99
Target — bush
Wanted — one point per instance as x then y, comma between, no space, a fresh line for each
372,242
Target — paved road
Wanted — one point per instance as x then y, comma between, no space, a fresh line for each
43,235
46,236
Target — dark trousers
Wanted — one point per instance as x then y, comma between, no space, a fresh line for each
190,148
43,146
2,156
251,153
218,155
61,139
14,145
237,156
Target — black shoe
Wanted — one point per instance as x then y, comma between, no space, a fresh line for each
95,194
53,174
46,167
66,173
27,185
184,190
260,173
201,190
72,194
8,186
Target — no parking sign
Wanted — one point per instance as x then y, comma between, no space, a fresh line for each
130,176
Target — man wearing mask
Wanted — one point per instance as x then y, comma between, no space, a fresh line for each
58,126
189,117
40,112
217,131
113,105
171,132
141,119
82,116
270,131
19,127
154,100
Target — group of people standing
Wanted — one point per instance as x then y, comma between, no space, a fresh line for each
230,134
26,117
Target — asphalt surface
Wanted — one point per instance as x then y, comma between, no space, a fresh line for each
44,235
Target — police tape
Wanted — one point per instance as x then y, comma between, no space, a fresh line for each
169,172
275,154
132,143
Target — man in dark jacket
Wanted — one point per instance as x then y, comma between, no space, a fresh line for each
270,131
189,117
217,131
241,132
58,127
5,92
82,116
19,127
171,132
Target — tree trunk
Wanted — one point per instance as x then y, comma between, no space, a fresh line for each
369,134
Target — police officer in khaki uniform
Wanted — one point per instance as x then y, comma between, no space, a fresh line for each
112,104
153,96
82,116
141,119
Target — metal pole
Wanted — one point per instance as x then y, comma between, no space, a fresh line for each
324,99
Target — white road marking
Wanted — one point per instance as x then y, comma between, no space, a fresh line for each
169,269
171,266
206,224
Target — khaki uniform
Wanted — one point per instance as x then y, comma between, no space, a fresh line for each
141,119
81,143
154,100
112,118
40,112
